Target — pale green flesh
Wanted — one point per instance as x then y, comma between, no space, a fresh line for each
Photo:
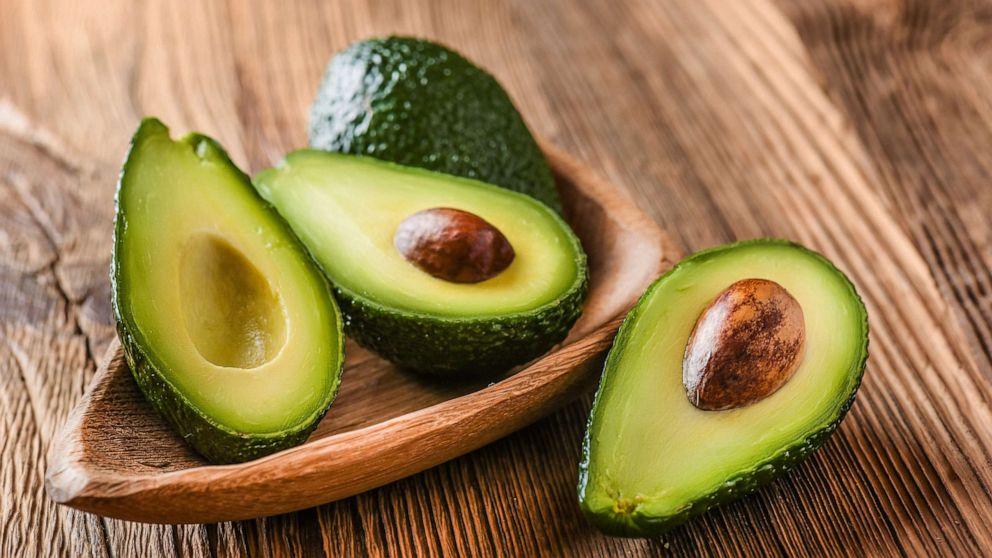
651,449
226,306
346,210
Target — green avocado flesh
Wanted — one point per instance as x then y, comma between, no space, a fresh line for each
651,459
229,328
346,210
418,103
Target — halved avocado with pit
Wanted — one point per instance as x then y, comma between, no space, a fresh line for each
663,446
229,328
353,213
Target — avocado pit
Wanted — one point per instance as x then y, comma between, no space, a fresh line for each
746,344
453,245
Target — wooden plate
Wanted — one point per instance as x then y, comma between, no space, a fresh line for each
116,457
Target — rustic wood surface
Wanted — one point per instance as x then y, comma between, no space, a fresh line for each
862,128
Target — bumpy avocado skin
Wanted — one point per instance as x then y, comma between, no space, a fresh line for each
213,441
417,103
216,442
461,346
622,523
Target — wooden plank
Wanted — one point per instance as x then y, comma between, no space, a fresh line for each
861,128
924,116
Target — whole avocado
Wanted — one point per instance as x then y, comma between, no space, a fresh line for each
417,103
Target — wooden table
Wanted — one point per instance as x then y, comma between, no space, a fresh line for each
862,128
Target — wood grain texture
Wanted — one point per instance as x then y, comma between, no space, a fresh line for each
859,127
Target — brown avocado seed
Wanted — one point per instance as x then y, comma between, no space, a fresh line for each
745,345
453,245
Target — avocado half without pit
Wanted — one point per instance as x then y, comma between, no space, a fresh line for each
436,273
228,327
732,368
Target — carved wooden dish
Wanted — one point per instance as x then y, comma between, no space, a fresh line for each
116,457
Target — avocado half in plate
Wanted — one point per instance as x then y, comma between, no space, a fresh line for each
228,326
436,273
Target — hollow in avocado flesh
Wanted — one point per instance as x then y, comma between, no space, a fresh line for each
652,456
229,328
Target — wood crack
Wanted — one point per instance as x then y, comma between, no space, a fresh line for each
41,220
15,123
21,361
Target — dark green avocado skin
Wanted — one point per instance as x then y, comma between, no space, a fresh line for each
736,487
216,442
213,441
418,103
461,346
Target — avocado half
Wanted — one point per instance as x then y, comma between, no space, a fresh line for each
651,460
418,103
229,328
346,210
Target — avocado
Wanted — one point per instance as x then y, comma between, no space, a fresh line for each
679,424
229,328
355,214
418,103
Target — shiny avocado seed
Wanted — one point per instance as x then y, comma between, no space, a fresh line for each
746,344
453,245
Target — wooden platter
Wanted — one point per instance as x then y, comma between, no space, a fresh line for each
117,457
